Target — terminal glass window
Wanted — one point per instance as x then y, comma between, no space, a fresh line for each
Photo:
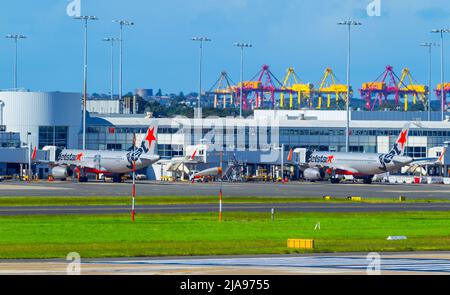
416,151
168,151
53,136
114,147
356,149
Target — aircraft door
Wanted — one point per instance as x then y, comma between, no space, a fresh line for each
98,161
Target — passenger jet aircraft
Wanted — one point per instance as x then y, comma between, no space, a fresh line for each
321,165
113,163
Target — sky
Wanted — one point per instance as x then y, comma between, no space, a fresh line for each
159,53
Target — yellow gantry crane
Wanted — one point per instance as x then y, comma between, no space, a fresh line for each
329,86
223,91
292,85
416,90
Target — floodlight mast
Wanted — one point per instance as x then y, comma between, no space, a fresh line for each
349,24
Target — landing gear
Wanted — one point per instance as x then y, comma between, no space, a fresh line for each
335,180
82,176
117,179
368,180
83,179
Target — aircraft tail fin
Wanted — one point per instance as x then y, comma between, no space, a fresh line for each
194,154
34,154
441,158
291,155
147,141
400,143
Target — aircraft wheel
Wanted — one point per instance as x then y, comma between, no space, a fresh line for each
117,179
83,179
367,180
335,180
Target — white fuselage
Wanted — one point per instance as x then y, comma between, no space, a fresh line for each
358,164
113,162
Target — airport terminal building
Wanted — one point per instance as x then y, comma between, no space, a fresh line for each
55,118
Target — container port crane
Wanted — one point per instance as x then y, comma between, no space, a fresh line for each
418,91
330,86
263,90
223,90
388,84
292,85
438,91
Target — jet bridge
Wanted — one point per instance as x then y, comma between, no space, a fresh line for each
300,155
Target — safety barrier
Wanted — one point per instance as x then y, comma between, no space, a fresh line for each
418,180
300,244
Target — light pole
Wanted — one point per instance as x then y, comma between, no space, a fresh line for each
201,40
281,149
86,20
112,40
242,46
122,23
441,32
429,46
15,37
349,24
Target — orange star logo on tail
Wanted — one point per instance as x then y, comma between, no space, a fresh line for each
402,139
150,136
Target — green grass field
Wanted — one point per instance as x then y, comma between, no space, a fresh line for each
202,234
125,200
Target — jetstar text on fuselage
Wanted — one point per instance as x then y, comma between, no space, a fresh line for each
321,159
70,157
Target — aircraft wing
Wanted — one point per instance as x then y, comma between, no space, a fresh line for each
425,162
430,161
150,157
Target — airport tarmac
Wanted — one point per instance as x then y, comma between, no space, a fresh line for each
205,208
426,263
292,189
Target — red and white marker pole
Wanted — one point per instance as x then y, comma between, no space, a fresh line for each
133,190
221,191
220,204
133,209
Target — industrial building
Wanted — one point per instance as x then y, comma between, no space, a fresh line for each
255,142
251,144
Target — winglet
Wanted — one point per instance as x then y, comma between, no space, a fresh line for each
441,158
194,155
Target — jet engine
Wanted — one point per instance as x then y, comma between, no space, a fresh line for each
313,174
61,173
